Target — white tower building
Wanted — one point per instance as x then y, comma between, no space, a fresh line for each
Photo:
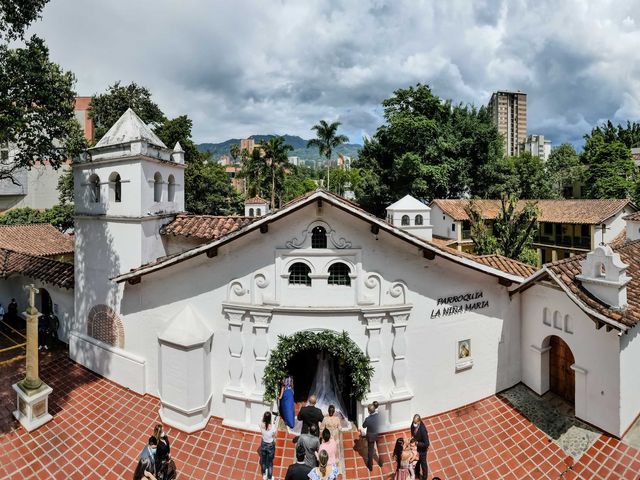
411,215
131,185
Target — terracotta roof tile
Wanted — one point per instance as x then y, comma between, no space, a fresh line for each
634,217
256,201
584,211
39,239
205,227
46,270
507,264
567,269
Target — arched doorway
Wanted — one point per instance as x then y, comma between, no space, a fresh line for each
46,304
303,366
562,378
298,355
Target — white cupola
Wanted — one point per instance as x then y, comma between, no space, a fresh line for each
633,226
603,275
256,207
411,215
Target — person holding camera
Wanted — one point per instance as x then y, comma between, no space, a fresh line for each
268,430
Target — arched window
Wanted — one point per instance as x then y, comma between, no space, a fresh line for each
251,212
115,187
94,187
601,271
418,220
258,212
405,220
172,189
318,237
339,274
299,274
157,187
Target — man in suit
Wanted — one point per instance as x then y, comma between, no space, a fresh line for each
372,425
310,443
419,432
298,470
310,415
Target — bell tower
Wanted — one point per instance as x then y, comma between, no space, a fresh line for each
128,186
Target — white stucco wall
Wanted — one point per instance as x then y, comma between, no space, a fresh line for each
389,273
442,227
597,369
629,378
615,225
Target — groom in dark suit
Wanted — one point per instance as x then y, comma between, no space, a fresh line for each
310,414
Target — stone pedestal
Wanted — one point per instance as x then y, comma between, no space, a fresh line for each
33,406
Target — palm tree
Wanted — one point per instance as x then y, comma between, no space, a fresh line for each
326,140
234,150
276,160
253,170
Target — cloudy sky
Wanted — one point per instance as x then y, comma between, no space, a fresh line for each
241,67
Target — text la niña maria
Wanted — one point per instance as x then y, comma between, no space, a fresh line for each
466,302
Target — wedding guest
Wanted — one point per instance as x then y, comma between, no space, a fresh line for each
420,434
149,450
287,404
372,426
144,467
311,444
310,415
324,471
331,422
12,313
299,470
402,456
162,450
43,327
267,446
413,461
168,469
330,446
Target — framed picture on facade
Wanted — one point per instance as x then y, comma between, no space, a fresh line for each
463,355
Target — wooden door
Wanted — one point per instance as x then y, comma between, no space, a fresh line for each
562,378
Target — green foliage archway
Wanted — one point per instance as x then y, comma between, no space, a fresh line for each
339,345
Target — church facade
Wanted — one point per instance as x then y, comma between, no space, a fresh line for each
189,308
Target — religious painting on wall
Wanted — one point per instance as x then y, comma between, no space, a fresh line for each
463,355
464,349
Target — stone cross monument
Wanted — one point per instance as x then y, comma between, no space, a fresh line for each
33,394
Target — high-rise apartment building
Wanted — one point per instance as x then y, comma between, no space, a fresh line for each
247,143
509,113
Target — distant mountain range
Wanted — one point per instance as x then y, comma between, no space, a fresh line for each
299,147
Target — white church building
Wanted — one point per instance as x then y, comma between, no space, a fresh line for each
190,308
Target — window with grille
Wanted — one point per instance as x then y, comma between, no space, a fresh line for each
405,220
339,274
418,220
299,274
318,237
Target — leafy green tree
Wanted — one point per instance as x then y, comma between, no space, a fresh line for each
564,168
36,107
60,216
484,243
326,140
296,183
277,161
17,15
208,190
179,130
524,175
513,230
628,134
65,187
105,109
428,148
611,171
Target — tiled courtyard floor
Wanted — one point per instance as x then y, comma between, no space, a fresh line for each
99,429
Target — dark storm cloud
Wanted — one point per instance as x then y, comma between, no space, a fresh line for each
244,67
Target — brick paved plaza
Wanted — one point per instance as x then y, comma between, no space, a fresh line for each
99,428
